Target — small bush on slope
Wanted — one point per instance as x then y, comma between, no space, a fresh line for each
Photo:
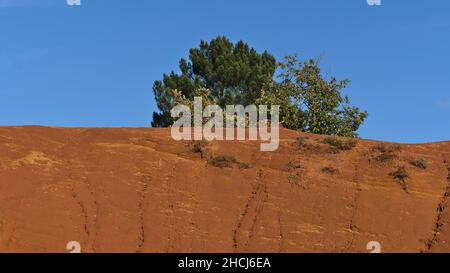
420,163
341,145
223,161
401,175
385,152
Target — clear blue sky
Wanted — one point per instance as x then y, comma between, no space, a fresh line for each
94,65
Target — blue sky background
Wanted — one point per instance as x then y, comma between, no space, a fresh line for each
94,65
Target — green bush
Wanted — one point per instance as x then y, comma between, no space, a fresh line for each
311,101
342,145
223,161
386,152
421,163
401,175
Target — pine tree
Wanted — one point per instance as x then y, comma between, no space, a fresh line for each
234,73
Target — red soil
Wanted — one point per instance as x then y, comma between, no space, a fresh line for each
137,190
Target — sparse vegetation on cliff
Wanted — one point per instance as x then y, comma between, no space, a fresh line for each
401,175
339,144
421,163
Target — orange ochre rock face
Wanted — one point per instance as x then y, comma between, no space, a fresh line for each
138,190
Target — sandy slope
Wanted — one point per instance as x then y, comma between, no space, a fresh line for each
137,190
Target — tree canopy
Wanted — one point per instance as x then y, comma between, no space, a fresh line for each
311,103
229,74
234,73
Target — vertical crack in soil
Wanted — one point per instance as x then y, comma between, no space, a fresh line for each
440,210
354,205
142,193
247,222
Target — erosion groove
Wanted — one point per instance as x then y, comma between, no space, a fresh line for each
138,190
280,233
142,193
354,208
84,215
245,229
170,218
438,226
